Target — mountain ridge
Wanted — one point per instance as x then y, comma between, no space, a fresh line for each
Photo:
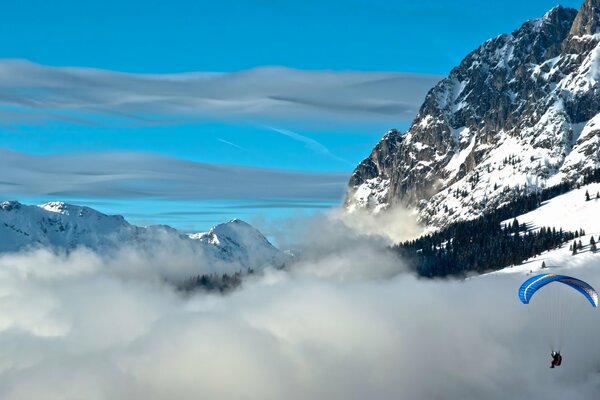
63,226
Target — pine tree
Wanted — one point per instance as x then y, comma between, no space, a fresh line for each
544,264
587,196
574,247
579,246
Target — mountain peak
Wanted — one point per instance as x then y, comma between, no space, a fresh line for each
587,21
71,210
57,207
552,11
239,241
554,15
236,228
10,205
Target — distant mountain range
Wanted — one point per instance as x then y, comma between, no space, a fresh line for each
65,227
520,113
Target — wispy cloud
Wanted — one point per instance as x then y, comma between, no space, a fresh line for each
33,93
284,205
310,143
144,175
230,144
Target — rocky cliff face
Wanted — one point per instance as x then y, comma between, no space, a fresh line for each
587,21
518,114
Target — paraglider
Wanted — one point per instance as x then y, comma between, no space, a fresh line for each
533,284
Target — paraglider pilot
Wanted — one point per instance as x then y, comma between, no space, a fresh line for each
556,359
533,284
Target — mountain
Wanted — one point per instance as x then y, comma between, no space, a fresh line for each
520,113
59,225
64,226
238,241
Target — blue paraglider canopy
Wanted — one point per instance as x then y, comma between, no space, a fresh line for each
532,285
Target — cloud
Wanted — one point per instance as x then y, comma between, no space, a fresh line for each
231,144
33,93
282,205
329,243
83,326
310,143
396,225
144,175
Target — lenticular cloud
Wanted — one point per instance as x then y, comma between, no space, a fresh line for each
34,93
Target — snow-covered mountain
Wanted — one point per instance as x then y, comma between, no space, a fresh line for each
59,225
64,226
518,114
238,241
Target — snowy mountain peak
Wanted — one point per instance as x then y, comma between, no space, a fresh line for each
58,225
241,241
63,208
81,212
550,15
10,205
235,232
518,114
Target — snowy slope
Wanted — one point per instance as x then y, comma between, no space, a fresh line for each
569,211
64,226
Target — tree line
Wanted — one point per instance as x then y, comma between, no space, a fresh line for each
221,283
485,243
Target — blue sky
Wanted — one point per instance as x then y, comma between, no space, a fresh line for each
428,36
288,87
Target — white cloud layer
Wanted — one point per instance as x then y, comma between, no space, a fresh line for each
80,326
33,93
